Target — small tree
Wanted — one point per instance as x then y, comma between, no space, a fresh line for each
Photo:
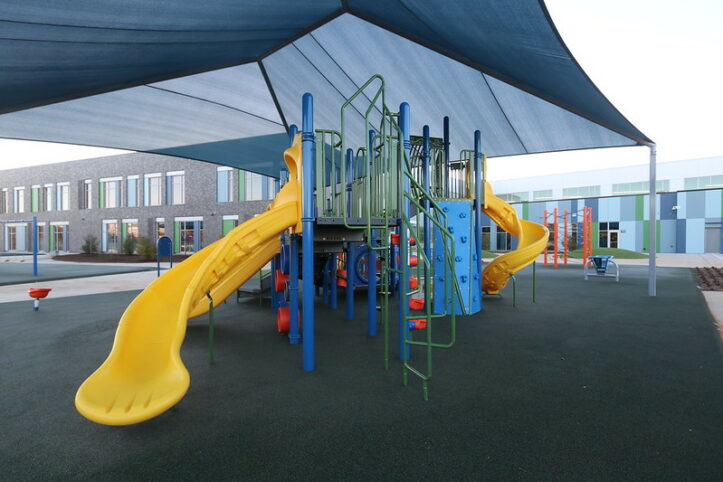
572,241
146,249
129,245
90,245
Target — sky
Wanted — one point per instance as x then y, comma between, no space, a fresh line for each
658,61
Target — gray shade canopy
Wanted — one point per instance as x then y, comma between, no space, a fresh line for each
221,81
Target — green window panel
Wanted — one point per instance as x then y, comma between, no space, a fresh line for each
51,239
241,185
526,211
101,194
177,237
595,235
227,225
646,236
639,208
124,228
34,199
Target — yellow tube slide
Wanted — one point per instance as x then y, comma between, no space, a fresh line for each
144,376
532,238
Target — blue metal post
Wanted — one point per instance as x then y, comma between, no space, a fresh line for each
332,275
425,184
274,263
478,198
325,282
294,289
307,219
446,156
350,281
371,261
293,130
404,238
35,245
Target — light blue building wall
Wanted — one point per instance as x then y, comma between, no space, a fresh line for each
687,221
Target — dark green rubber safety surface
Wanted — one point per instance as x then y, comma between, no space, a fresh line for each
595,381
12,273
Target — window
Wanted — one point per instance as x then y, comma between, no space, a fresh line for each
110,238
87,200
59,237
16,236
4,201
229,222
542,195
515,196
583,191
19,200
224,185
241,185
41,236
48,197
640,187
175,187
129,230
62,191
703,182
254,186
132,191
486,233
188,234
160,227
109,192
152,190
608,235
35,199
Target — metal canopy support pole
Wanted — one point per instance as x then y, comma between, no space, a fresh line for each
371,261
35,245
652,238
446,156
478,198
404,234
307,220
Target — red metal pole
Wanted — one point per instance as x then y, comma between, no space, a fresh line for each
564,238
556,228
545,223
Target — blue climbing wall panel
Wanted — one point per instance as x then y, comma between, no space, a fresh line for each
460,219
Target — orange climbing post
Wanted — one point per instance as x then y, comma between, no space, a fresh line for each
556,241
564,237
544,222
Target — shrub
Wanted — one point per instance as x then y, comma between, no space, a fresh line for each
146,249
90,245
129,245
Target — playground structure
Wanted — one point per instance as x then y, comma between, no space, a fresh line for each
582,230
394,215
599,265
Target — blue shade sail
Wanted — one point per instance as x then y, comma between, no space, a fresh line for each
221,80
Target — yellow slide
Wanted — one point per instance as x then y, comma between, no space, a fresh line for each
144,376
532,238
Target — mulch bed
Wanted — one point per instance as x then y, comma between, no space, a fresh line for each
113,258
709,279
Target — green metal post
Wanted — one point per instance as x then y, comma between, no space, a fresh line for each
211,358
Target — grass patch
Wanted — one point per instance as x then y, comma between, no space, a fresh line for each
488,254
618,253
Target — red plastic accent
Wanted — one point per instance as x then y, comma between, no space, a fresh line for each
395,239
416,303
413,283
419,324
283,319
339,280
413,261
281,280
39,293
412,241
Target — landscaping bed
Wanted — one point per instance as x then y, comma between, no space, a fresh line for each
113,258
709,279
